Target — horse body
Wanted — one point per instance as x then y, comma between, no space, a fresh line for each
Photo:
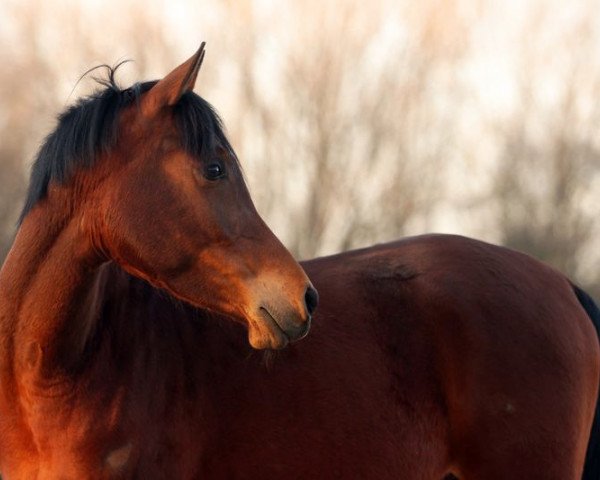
119,358
432,355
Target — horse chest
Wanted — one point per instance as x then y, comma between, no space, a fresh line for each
103,436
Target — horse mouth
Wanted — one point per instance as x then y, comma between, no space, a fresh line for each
281,337
287,326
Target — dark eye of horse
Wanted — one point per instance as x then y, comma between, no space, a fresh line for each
214,171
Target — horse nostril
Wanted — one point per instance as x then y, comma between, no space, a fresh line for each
311,298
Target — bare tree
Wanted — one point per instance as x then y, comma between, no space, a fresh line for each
550,156
356,123
345,133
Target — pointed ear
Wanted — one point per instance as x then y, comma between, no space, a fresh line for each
169,90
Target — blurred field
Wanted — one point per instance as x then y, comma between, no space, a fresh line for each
356,122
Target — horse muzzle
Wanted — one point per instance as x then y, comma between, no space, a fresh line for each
274,325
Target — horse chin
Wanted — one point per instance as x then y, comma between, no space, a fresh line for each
265,333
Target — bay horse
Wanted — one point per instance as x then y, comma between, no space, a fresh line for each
142,286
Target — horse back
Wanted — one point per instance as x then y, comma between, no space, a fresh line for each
515,354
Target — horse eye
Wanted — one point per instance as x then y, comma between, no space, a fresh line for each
214,171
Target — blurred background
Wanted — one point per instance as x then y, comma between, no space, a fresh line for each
356,122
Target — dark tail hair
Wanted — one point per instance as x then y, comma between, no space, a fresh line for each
591,470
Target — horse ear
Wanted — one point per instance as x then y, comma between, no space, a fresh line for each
169,90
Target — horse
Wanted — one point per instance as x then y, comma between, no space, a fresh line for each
151,326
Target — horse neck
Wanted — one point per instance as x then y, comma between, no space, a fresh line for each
48,292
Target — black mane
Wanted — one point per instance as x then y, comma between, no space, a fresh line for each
90,128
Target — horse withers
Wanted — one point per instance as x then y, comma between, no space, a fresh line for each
141,277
